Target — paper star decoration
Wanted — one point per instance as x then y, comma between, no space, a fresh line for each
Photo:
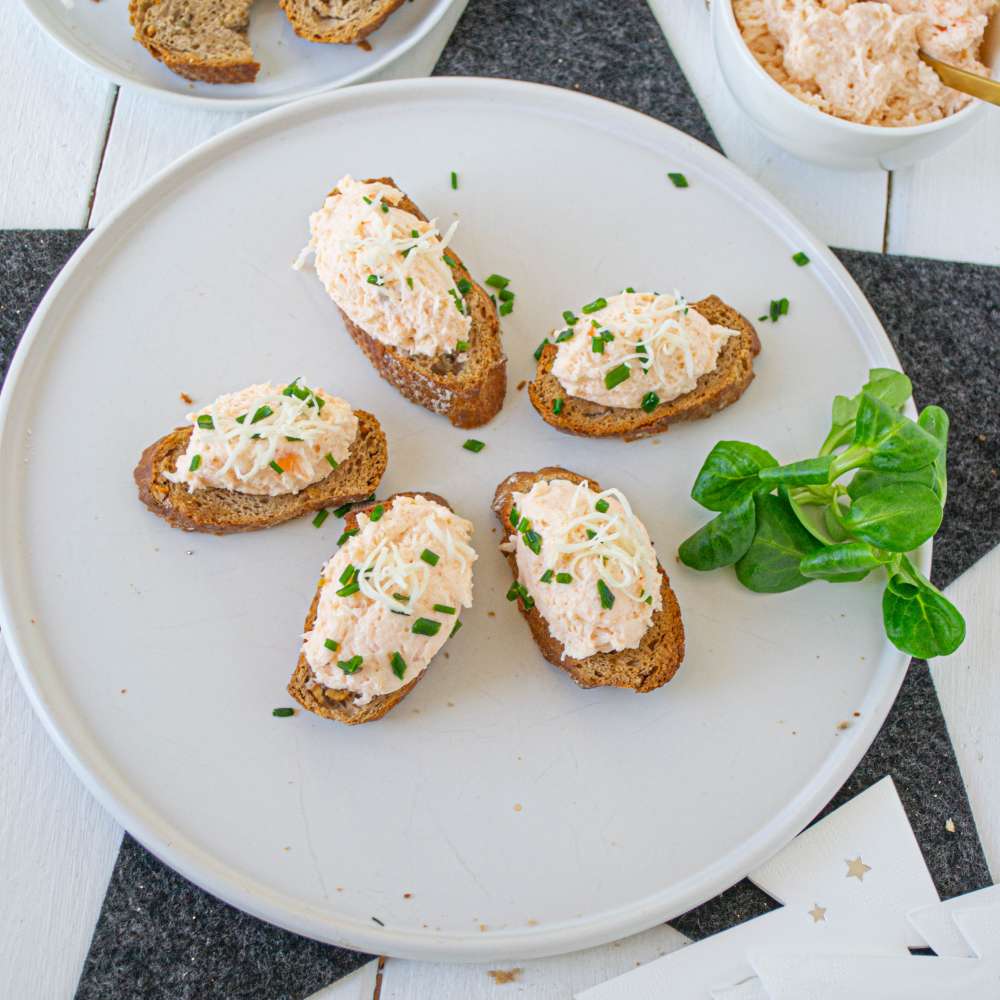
856,868
818,913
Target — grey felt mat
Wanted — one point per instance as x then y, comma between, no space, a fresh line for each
160,937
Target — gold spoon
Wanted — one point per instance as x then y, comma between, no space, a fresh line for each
961,79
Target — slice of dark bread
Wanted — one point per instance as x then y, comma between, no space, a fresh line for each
337,21
222,512
339,705
198,39
469,393
650,665
714,391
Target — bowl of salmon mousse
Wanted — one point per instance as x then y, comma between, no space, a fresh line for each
841,82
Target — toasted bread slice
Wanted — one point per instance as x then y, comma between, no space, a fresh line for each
650,665
338,21
339,705
470,392
714,391
222,512
198,39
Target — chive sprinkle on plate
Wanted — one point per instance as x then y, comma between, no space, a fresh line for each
282,713
800,258
454,187
497,281
473,445
321,516
678,180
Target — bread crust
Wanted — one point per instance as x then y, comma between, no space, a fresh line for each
186,64
646,668
715,391
338,705
224,512
346,34
469,397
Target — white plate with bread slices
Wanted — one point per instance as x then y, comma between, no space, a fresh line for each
497,809
237,55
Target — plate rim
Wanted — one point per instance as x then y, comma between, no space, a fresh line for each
48,23
212,873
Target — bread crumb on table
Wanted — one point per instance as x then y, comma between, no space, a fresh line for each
518,807
503,976
522,384
949,825
365,45
185,398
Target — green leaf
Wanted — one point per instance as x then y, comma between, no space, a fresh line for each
888,385
896,443
803,516
919,620
729,474
808,472
771,564
850,559
935,421
833,527
868,480
723,540
898,517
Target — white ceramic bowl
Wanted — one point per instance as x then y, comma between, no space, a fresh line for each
814,135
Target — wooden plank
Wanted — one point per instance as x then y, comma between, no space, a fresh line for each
947,206
843,208
53,118
539,979
968,685
57,850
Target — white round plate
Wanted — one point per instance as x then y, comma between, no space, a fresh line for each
100,35
500,810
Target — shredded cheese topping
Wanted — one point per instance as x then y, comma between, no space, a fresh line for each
242,440
387,269
659,343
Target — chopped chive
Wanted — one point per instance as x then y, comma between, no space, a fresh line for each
351,588
783,307
506,308
321,516
398,665
557,406
409,282
376,512
457,299
347,534
384,207
524,524
527,600
546,577
540,348
414,234
761,319
592,307
602,505
457,626
450,261
630,290
506,295
366,200
195,463
567,334
473,445
650,402
678,180
241,418
282,713
205,422
533,540
402,598
607,598
616,376
290,438
444,609
348,575
514,516
607,336
497,281
341,511
331,461
373,279
261,413
331,644
277,468
649,599
569,318
800,258
462,346
591,533
426,626
641,349
431,558
454,187
464,286
597,345
291,387
350,666
514,591
564,578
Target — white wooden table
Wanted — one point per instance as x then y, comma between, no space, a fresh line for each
74,147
